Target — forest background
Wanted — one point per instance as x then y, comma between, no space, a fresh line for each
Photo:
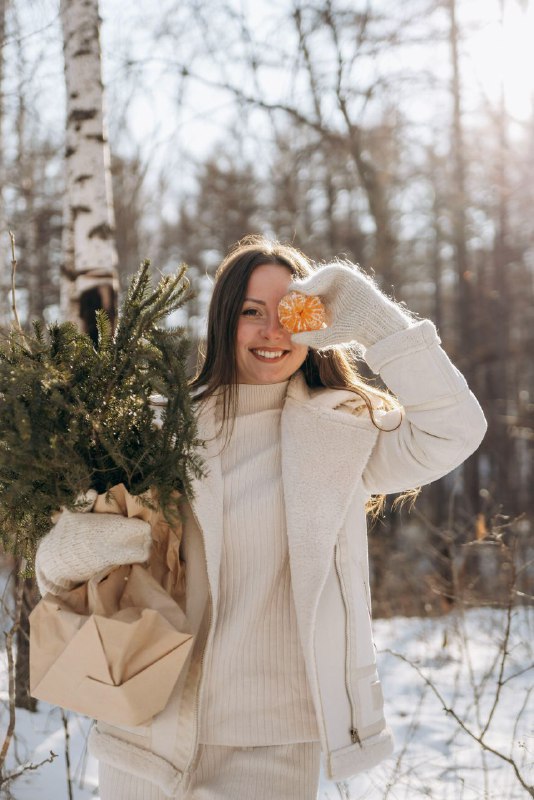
398,135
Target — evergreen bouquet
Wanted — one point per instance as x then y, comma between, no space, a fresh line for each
75,416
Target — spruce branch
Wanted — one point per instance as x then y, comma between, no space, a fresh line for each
74,416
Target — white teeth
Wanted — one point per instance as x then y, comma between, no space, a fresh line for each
269,353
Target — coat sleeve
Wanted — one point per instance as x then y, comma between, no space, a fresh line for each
442,422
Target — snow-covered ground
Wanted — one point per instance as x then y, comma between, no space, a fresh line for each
461,656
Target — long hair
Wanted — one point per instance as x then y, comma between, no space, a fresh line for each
217,373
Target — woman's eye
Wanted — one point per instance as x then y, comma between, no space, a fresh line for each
250,312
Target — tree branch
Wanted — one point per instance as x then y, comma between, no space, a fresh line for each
459,721
9,637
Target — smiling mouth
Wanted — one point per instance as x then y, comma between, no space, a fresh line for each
272,356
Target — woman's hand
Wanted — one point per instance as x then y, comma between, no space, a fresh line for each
82,545
356,309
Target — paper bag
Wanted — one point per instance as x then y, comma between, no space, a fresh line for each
113,649
165,564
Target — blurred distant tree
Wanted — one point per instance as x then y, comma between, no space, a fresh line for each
316,201
222,210
502,383
466,330
459,206
330,84
349,35
32,188
128,176
36,216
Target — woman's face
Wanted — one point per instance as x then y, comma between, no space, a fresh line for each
264,350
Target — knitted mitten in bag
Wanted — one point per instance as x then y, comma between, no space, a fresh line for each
82,545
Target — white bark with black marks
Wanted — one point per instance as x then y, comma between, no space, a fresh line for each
89,242
4,236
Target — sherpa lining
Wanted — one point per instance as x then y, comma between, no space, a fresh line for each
348,761
135,760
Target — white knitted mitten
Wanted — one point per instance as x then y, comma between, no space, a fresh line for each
356,309
82,545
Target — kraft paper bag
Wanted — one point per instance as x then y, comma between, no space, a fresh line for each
113,648
165,564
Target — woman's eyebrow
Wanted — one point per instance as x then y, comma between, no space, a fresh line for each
253,300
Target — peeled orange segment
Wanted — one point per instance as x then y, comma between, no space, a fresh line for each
301,312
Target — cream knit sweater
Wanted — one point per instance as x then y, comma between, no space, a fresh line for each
256,687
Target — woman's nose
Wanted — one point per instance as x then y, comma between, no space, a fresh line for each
273,328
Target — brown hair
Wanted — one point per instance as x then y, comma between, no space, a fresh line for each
332,368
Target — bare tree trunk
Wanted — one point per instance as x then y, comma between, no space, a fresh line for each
376,189
459,200
438,498
4,241
501,304
465,328
24,587
374,181
90,269
437,239
26,167
23,698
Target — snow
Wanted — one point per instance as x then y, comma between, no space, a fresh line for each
460,654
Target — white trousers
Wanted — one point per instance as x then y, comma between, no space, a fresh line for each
277,772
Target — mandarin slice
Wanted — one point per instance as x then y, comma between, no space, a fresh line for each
301,312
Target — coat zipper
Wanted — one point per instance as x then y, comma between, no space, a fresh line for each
354,735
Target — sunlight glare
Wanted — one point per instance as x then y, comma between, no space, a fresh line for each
504,54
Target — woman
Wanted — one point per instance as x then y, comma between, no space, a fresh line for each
274,541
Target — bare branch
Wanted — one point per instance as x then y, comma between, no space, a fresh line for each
459,721
13,284
303,42
65,720
9,637
27,768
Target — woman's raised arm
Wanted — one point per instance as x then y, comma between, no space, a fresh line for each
442,422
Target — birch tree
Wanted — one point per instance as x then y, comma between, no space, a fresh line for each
90,277
3,232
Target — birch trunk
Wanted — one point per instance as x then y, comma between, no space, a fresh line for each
4,238
90,268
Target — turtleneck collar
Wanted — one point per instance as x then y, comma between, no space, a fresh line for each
252,398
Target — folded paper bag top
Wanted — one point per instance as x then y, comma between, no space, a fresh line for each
121,667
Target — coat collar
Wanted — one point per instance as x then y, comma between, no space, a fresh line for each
324,452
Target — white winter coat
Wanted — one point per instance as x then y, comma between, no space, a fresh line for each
333,459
